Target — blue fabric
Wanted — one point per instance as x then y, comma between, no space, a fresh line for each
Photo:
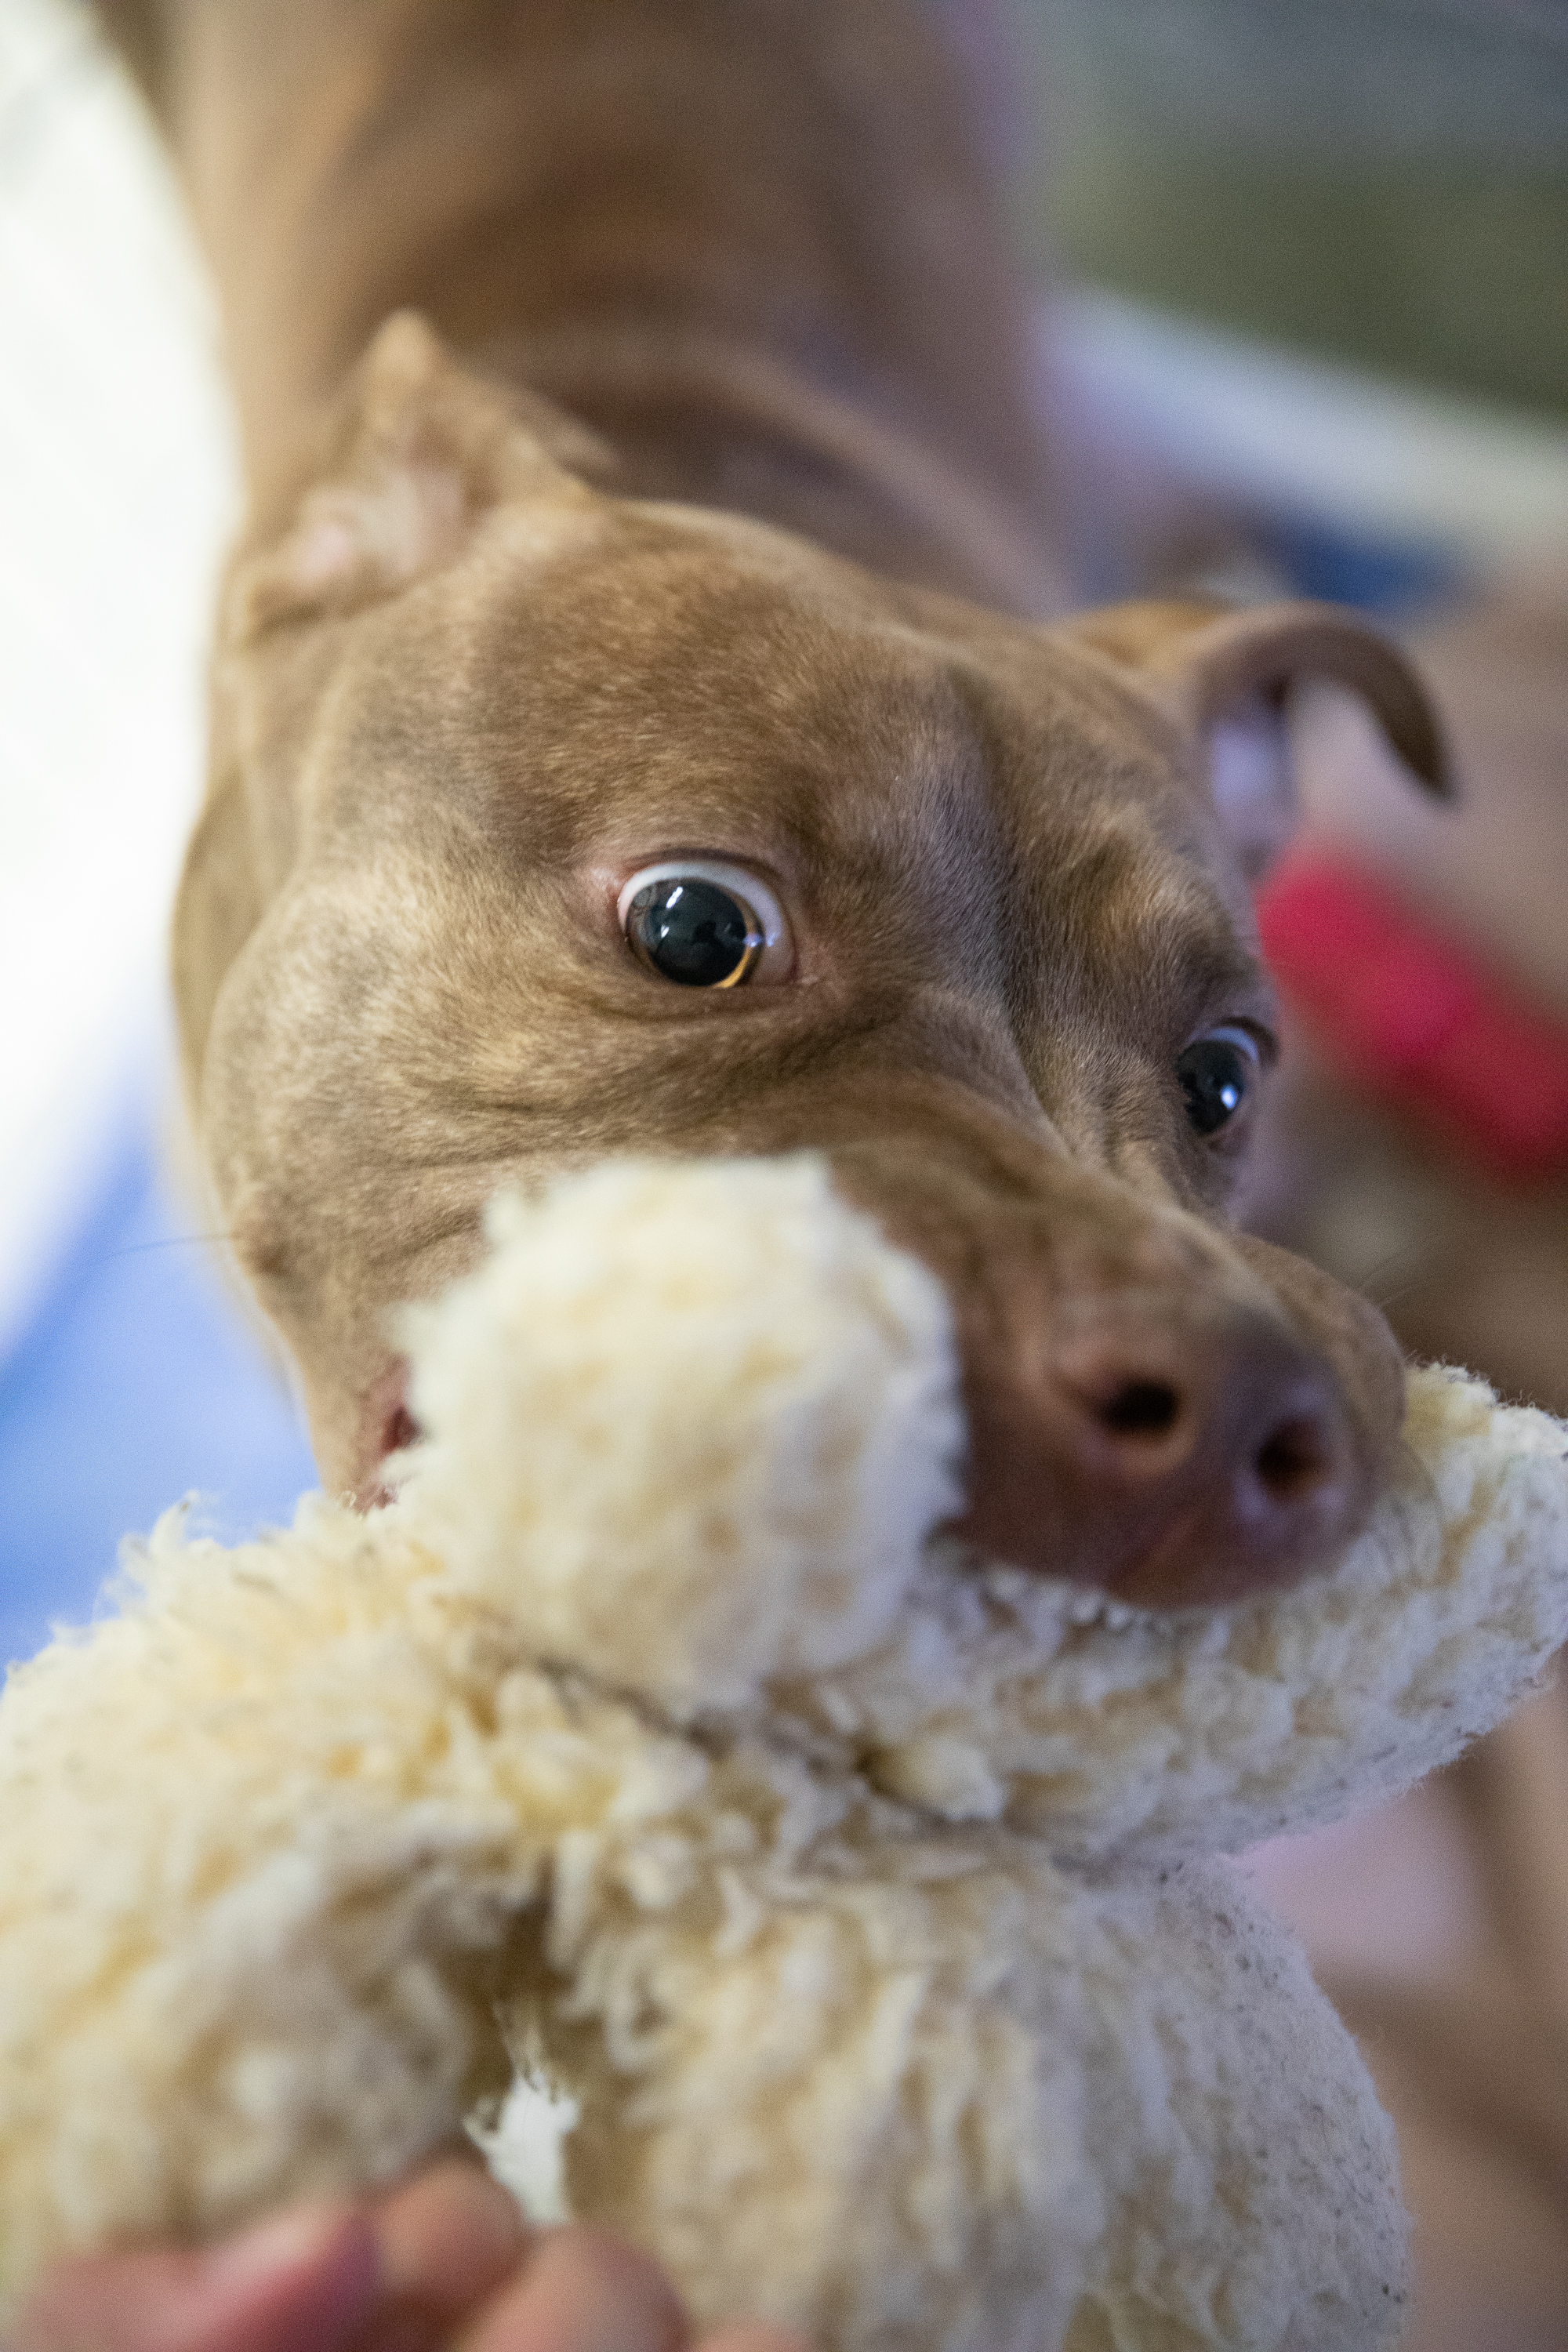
137,1384
1388,577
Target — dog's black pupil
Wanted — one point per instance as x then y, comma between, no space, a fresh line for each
693,932
1215,1076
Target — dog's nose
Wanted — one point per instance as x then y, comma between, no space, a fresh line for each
1173,1459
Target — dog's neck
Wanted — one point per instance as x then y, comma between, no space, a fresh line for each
752,241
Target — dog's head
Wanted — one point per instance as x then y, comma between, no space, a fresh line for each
549,825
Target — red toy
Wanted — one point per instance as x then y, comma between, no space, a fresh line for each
1417,1018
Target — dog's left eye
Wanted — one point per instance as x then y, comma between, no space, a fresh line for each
702,924
1217,1072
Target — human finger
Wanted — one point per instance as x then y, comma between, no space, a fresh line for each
583,2291
305,2277
447,2240
752,2335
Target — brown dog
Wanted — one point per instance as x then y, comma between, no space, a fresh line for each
578,790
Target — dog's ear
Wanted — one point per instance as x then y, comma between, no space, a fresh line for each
1224,675
418,451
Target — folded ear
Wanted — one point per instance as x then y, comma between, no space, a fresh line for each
1225,674
418,451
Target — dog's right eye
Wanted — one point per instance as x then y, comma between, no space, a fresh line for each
700,924
1216,1073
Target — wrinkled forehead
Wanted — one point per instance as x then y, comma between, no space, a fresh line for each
680,672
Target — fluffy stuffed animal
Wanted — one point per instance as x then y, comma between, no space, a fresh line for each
861,1895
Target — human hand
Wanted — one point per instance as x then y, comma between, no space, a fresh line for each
444,2260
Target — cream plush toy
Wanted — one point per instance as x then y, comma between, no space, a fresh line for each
863,1897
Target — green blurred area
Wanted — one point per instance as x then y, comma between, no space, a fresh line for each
1381,180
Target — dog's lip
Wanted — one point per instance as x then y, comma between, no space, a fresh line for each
388,1426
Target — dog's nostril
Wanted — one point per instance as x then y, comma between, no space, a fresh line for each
1293,1459
1141,1409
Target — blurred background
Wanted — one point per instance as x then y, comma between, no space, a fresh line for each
1382,180
1304,326
125,1379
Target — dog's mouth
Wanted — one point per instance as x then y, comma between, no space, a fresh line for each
1168,1421
1127,1571
388,1426
402,1430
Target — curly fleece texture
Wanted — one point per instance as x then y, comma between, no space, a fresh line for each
863,1895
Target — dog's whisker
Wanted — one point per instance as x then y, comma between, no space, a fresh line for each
1388,1298
166,1242
1406,1262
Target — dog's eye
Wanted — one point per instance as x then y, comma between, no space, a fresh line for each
1216,1072
700,924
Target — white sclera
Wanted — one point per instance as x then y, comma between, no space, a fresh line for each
737,879
1230,1034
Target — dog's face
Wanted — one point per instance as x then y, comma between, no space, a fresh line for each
549,826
